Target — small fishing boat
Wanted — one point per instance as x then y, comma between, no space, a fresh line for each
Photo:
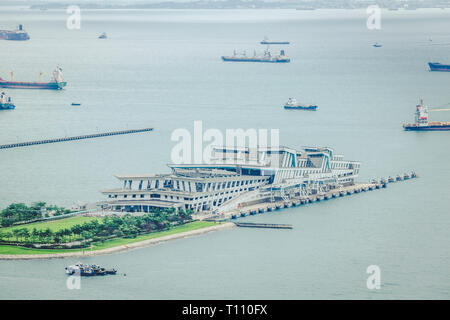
377,45
102,36
293,104
76,104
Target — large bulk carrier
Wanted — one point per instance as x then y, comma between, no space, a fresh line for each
56,82
267,57
421,121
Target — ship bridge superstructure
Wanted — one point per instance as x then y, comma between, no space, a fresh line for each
234,175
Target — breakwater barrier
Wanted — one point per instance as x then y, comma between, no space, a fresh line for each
82,137
263,225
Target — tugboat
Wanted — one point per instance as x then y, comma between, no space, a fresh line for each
85,270
293,104
267,57
56,83
421,121
5,102
18,35
102,36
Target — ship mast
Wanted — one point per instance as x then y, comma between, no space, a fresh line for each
421,114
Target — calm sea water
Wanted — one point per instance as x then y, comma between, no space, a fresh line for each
162,68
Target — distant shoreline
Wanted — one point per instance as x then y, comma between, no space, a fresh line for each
119,248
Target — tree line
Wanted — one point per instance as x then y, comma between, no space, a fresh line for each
19,212
111,226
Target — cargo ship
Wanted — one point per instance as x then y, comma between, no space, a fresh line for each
5,102
293,104
56,82
18,35
267,41
421,121
436,66
267,57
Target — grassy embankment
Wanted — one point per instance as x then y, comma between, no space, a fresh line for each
69,222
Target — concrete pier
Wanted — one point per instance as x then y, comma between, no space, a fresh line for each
302,200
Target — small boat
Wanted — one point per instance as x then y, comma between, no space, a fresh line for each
6,102
85,270
293,104
102,36
76,104
377,45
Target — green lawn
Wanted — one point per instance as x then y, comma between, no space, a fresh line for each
110,243
54,225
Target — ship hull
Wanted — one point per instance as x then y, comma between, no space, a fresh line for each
11,35
230,59
33,85
7,106
439,67
427,128
274,42
309,108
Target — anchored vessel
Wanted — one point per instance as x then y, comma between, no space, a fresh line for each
293,104
267,57
422,123
6,102
436,66
267,41
56,83
236,177
88,270
19,34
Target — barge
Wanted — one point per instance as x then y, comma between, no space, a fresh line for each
85,270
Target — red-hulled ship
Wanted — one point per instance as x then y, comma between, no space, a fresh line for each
56,83
422,123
